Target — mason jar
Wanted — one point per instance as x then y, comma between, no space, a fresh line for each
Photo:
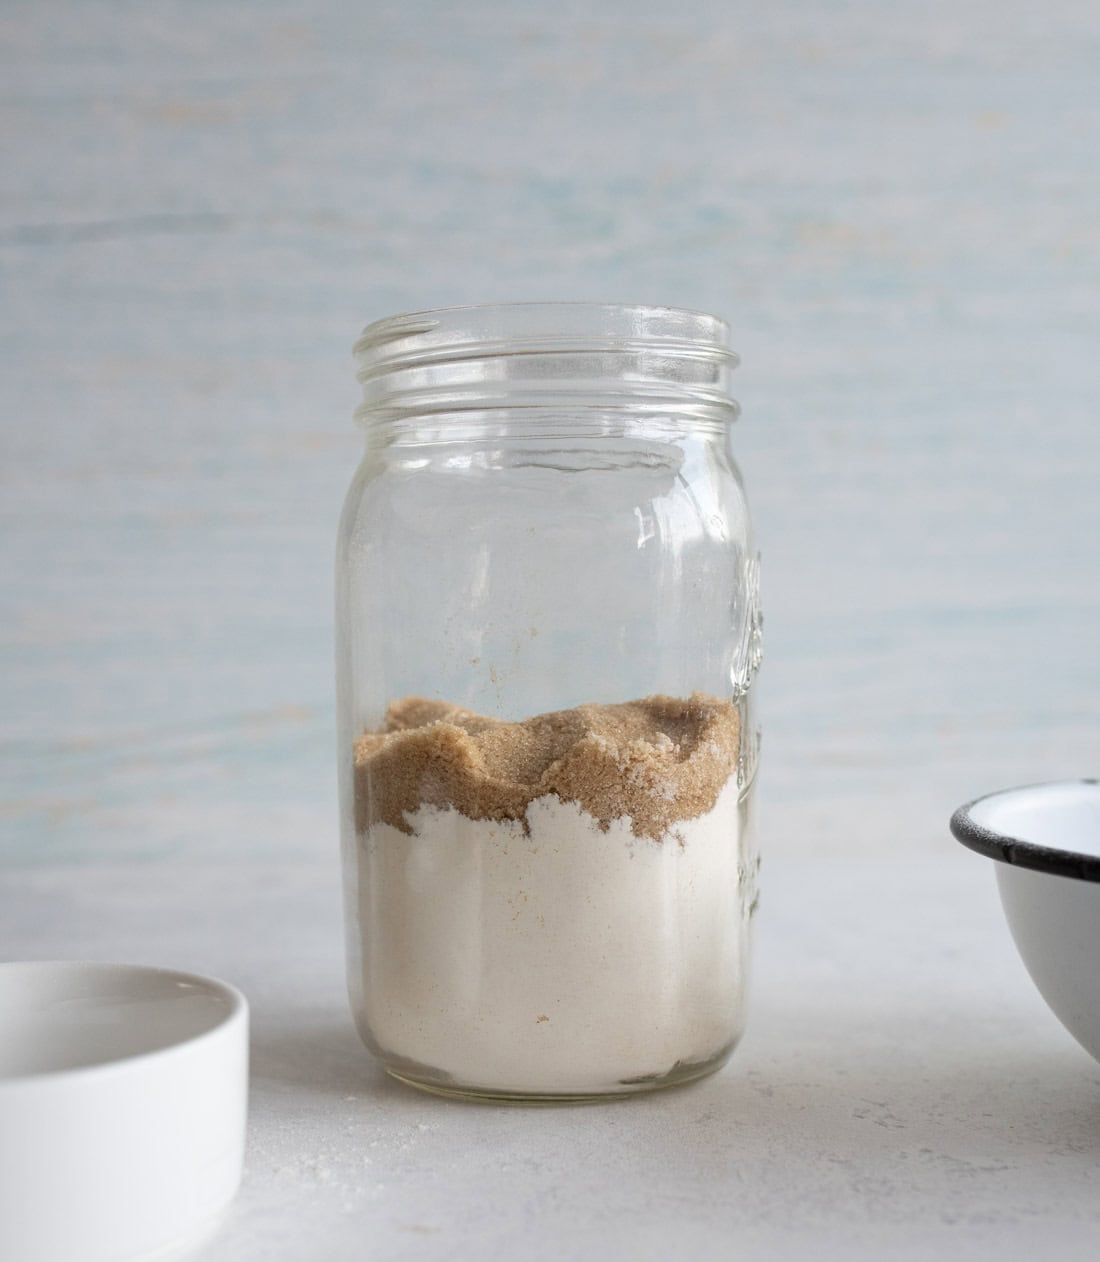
548,626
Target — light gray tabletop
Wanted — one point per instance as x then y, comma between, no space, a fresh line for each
897,208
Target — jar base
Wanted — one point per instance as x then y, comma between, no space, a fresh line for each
681,1074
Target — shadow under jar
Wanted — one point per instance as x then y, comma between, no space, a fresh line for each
547,630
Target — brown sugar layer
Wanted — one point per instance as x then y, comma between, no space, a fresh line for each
658,760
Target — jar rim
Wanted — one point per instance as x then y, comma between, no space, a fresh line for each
545,354
553,324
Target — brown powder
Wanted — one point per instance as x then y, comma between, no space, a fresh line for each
659,760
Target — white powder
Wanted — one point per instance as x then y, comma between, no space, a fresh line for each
562,960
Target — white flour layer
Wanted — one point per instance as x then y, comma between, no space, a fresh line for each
564,960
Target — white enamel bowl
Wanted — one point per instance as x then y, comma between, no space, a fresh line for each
1046,841
122,1110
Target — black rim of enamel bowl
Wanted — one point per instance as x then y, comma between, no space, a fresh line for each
1024,854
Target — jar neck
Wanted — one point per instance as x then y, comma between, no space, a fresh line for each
575,367
542,427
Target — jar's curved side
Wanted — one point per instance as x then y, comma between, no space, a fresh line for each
347,630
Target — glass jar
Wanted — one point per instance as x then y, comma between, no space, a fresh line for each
547,628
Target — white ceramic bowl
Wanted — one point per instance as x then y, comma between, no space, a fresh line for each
1046,840
122,1109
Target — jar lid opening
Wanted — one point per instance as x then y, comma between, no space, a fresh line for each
544,354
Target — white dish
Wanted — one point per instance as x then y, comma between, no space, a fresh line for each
1046,840
123,1094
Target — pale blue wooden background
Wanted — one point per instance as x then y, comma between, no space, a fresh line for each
895,205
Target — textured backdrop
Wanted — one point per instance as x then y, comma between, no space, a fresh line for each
896,206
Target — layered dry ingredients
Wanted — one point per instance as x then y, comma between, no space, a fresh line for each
556,906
